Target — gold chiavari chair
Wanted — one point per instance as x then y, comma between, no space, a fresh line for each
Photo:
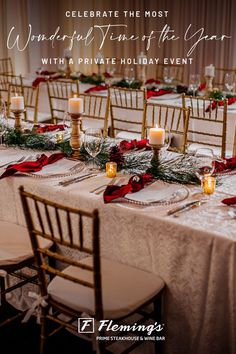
17,266
127,108
6,66
96,112
176,72
219,80
207,126
172,118
89,283
58,92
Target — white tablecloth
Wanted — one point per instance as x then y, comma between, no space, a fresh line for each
194,254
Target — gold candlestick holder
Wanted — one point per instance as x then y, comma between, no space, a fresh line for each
75,135
17,113
209,85
155,161
99,70
68,70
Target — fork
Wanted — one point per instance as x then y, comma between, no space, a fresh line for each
113,182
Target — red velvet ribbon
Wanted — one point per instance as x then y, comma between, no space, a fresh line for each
97,88
228,165
135,184
157,93
52,76
133,144
32,166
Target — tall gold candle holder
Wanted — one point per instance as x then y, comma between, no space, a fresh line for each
75,135
17,113
209,85
155,161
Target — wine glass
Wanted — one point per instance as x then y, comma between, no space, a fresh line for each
194,83
229,81
93,141
129,75
110,71
168,76
3,121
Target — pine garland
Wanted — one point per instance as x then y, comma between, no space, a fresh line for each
178,170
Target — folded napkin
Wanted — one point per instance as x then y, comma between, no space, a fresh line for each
202,87
97,88
229,201
213,105
134,144
52,76
229,164
49,128
161,92
135,184
32,166
152,81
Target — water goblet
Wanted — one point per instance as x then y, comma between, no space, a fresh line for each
129,75
194,83
93,141
229,81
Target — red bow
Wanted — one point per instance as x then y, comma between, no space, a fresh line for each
32,166
214,104
135,184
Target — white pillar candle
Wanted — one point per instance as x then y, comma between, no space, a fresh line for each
142,59
75,105
210,70
99,58
67,53
17,103
157,136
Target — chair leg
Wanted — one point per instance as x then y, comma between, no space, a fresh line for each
43,335
158,318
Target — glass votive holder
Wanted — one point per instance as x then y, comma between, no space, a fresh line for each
208,185
60,137
111,169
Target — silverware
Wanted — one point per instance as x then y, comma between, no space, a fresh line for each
14,161
114,181
102,186
76,179
185,207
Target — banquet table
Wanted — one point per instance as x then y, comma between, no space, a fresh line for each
194,253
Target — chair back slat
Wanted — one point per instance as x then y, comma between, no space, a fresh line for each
175,119
207,125
6,66
127,110
59,91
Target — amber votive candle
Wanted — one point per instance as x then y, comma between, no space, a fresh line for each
111,169
208,185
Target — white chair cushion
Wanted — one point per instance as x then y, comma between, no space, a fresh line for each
124,288
15,245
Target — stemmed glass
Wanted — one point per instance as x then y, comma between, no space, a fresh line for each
93,141
3,121
111,71
168,76
129,75
229,81
194,83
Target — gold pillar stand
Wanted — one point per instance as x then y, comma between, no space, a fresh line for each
17,113
75,135
155,161
209,85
